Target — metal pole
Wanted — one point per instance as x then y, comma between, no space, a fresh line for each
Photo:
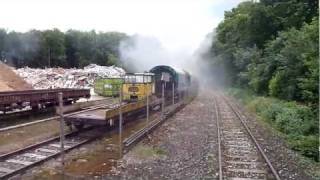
172,93
147,107
162,107
120,122
60,98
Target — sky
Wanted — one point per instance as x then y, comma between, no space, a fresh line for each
178,24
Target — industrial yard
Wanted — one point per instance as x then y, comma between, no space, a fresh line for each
185,146
159,90
193,134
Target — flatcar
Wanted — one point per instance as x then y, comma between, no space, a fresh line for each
137,86
36,99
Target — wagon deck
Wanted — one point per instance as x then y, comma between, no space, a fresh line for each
105,116
19,99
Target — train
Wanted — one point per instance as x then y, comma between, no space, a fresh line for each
137,86
173,82
164,85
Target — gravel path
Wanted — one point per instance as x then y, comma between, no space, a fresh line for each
184,147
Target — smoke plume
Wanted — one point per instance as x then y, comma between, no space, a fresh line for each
141,53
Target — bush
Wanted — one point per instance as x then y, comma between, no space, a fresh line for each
307,145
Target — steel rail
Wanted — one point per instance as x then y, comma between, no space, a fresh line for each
22,150
152,125
217,115
274,172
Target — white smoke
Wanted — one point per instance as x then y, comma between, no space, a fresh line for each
141,53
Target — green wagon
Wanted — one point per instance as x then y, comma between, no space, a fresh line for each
108,86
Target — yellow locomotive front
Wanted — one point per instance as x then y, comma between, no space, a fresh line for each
137,86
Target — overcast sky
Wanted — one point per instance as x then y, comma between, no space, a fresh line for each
178,24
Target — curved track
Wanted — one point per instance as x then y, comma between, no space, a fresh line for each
240,155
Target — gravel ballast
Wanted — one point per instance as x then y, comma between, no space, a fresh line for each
184,147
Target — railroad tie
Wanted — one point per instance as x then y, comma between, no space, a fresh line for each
256,171
58,146
236,178
32,155
15,161
47,150
5,170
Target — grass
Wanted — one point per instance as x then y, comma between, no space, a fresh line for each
148,152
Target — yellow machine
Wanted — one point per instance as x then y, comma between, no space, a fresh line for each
137,86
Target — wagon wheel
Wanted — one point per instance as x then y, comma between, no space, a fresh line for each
79,126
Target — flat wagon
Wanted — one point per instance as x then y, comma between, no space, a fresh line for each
109,116
11,100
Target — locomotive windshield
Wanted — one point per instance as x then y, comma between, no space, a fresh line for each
138,78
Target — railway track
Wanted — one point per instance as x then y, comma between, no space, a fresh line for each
19,161
240,155
151,126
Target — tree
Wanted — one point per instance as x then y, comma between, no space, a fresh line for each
3,34
53,48
295,53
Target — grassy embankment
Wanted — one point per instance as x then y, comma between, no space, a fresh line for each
297,123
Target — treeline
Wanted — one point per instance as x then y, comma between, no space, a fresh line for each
270,48
53,48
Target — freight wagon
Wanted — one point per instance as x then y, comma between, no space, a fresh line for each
12,100
172,79
108,86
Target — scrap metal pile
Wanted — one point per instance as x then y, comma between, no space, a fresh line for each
50,78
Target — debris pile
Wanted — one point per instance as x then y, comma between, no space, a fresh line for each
67,78
10,81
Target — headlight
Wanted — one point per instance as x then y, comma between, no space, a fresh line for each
133,89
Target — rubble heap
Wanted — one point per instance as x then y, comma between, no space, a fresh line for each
67,78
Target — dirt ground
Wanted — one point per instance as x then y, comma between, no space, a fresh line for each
21,137
9,80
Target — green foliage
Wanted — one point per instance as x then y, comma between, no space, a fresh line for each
308,145
55,48
294,56
297,122
272,48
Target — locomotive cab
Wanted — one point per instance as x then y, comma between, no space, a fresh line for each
137,86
